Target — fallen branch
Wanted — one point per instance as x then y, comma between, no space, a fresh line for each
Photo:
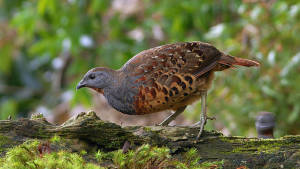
213,146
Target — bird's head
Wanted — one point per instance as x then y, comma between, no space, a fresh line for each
97,78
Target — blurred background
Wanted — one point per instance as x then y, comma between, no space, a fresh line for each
46,47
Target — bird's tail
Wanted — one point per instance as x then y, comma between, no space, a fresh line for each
231,61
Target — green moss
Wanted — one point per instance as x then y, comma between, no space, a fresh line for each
4,141
83,152
213,164
99,156
27,155
257,145
155,157
55,139
104,156
142,157
147,129
191,157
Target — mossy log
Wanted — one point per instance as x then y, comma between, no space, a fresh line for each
213,146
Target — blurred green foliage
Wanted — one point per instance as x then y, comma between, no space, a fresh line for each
47,45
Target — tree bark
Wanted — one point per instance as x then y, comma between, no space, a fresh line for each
283,152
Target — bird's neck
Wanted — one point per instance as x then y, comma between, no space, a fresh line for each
120,94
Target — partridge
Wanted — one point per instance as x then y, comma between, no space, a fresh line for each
166,77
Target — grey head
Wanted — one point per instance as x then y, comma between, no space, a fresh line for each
98,79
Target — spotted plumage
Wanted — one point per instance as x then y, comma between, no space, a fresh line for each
165,77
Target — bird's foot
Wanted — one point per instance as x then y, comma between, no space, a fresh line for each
163,124
199,122
202,123
160,124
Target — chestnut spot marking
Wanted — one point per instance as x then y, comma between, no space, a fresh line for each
175,90
153,92
165,90
176,79
183,85
149,68
158,101
143,97
189,79
167,99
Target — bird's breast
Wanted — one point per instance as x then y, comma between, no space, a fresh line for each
181,91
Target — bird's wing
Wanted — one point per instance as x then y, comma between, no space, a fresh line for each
189,58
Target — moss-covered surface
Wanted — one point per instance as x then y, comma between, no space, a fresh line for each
34,155
58,152
92,141
55,153
258,146
3,142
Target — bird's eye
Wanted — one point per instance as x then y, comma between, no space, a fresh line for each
92,76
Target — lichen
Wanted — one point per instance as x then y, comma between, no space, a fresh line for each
258,146
37,116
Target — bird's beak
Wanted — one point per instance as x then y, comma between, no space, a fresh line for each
81,84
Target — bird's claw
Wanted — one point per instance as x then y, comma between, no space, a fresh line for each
199,122
202,123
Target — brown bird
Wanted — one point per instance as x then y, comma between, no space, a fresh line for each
166,77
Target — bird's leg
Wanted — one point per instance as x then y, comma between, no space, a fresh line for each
172,116
203,116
